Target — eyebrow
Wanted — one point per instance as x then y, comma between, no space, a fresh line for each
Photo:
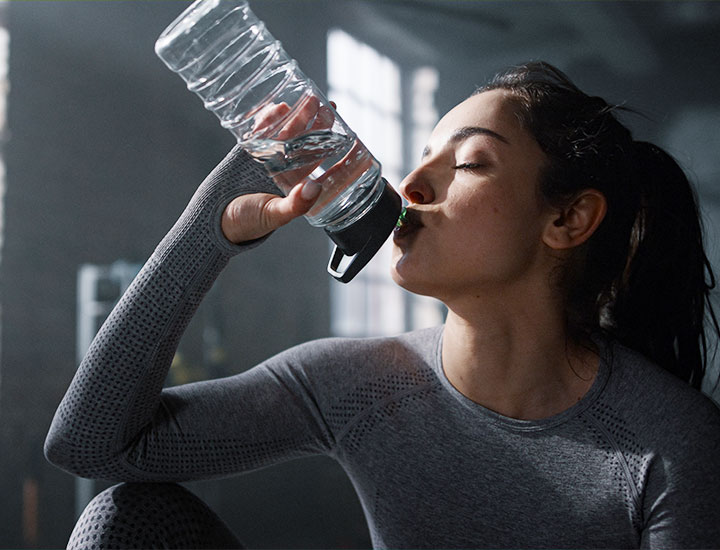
468,131
465,132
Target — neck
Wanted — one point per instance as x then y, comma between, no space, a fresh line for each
516,361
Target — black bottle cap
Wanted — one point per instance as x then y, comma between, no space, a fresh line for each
357,244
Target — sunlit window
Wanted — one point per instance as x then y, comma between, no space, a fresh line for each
369,88
30,484
4,90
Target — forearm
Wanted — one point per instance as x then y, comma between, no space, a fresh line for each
116,390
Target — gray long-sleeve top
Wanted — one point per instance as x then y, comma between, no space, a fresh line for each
636,462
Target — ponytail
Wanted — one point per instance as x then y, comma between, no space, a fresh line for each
663,294
643,277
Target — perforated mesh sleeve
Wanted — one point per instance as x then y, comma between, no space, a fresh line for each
116,390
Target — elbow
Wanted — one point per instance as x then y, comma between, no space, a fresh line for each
50,449
59,445
70,459
65,455
57,452
53,445
91,460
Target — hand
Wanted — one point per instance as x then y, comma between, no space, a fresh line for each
253,216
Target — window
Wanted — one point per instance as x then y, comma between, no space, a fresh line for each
4,90
368,89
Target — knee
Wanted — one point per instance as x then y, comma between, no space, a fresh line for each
149,515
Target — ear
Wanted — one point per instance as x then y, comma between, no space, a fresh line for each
575,224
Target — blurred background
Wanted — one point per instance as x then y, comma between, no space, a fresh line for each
102,146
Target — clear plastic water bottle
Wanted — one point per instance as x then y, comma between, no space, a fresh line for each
226,55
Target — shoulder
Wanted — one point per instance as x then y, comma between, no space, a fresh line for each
668,435
351,361
417,345
350,381
669,412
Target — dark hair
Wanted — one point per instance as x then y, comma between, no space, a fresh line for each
643,277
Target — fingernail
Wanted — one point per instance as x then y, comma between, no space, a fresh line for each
310,190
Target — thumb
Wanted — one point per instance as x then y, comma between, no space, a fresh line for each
253,216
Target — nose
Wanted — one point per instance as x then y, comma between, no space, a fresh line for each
416,188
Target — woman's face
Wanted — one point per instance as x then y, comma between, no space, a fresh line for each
476,215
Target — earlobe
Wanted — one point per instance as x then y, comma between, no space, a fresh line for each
575,224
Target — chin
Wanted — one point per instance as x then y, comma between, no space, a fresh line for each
396,277
406,279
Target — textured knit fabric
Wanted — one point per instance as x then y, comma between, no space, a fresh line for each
635,463
149,515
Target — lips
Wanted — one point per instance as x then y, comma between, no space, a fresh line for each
408,224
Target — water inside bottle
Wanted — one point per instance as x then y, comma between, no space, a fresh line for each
310,148
341,164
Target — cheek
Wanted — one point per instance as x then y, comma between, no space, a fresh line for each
484,216
497,229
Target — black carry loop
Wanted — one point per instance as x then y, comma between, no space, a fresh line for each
356,245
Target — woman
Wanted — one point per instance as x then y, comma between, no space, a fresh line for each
570,259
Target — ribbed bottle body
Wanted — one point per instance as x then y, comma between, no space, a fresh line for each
226,55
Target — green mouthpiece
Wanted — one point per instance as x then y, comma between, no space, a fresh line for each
403,218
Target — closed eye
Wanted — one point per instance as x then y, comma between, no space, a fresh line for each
468,166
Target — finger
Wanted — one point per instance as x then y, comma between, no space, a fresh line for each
324,119
268,116
287,180
306,111
253,216
281,210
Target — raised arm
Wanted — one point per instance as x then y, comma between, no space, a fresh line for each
113,412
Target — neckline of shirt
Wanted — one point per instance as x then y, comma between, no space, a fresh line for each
601,378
